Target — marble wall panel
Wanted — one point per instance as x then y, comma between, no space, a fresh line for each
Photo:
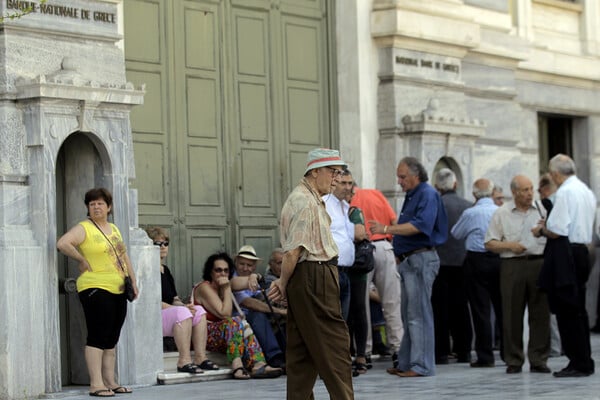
12,161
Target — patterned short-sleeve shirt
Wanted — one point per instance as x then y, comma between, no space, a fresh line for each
305,224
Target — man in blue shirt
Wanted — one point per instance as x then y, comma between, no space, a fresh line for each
482,270
422,225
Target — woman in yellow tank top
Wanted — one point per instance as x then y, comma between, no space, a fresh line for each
103,262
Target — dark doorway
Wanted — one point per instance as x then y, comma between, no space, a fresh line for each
555,135
78,169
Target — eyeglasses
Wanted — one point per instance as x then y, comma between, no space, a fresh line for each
334,171
163,243
221,270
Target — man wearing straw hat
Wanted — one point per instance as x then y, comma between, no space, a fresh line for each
257,311
317,336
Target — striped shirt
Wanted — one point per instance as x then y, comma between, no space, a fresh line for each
305,224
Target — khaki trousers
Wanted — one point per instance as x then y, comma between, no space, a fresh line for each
518,285
317,335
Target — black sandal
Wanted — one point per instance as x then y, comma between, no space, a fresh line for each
208,365
359,369
190,369
245,375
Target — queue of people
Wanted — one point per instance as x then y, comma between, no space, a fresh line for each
443,263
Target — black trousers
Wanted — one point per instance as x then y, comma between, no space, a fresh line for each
357,318
482,273
573,323
105,314
451,313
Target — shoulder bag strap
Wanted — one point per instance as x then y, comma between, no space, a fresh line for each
112,246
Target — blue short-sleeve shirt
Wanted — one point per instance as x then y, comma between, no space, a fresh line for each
424,209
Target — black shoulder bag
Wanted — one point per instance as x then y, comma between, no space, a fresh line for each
364,260
129,292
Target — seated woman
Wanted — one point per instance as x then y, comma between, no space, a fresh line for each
186,323
227,334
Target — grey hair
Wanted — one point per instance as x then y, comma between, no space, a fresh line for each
415,168
562,164
445,179
275,251
479,191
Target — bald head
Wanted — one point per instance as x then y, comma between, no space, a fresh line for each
482,188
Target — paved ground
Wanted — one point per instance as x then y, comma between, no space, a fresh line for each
451,381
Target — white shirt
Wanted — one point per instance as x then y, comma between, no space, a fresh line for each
342,229
509,224
573,211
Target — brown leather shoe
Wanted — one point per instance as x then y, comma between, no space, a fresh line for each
393,371
408,374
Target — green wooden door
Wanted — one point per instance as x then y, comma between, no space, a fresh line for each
237,93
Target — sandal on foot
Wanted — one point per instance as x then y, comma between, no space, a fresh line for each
208,365
98,393
244,375
262,373
190,369
121,390
360,368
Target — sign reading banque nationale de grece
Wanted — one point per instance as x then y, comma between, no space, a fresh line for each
61,10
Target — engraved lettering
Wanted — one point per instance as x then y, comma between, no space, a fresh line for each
407,61
61,11
104,17
451,68
426,64
21,5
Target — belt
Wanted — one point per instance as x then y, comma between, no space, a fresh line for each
483,253
381,240
333,261
578,245
404,256
528,257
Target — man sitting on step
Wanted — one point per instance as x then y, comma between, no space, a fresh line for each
257,311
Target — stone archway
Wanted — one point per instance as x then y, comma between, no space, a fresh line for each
79,167
450,163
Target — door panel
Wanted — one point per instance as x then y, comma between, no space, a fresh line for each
237,93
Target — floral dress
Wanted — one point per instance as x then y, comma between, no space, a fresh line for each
233,337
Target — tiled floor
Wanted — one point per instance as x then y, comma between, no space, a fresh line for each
452,381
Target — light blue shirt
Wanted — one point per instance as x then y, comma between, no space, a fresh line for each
342,229
473,223
573,211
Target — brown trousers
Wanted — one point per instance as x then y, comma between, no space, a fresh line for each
518,285
317,336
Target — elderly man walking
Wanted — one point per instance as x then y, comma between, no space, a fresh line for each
521,261
317,336
421,226
569,229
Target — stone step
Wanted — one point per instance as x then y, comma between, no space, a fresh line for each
170,376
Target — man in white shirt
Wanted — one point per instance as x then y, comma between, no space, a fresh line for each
569,229
344,233
342,230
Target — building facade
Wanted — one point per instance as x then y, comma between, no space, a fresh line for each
198,114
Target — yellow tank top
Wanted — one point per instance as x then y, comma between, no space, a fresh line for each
106,273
